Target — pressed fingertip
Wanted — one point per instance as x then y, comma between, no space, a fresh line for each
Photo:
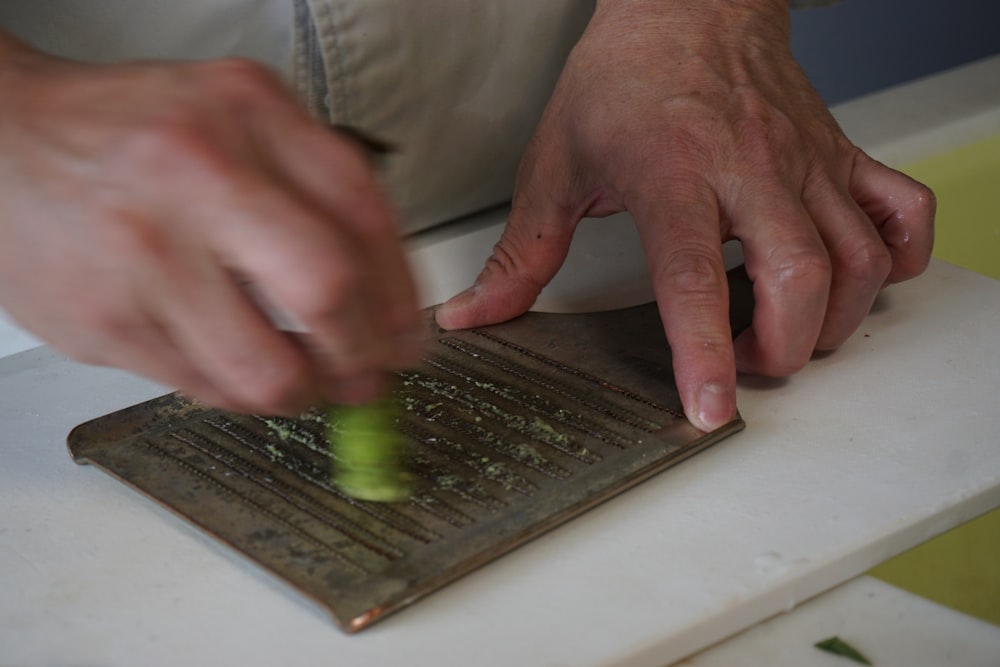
456,312
714,406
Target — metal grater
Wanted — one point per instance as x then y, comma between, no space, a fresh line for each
512,430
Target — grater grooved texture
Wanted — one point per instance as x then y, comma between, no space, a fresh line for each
511,430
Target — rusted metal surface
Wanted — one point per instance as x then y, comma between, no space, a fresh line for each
512,430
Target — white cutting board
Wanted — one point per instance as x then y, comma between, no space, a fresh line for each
868,451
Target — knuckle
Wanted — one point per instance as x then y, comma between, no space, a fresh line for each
174,147
322,290
764,130
694,273
503,259
506,260
757,131
808,268
867,262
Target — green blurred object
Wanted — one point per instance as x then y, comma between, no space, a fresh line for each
838,646
367,452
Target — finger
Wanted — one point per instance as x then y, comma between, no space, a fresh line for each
161,361
141,346
313,270
120,322
223,333
683,250
533,246
340,351
336,177
790,269
901,209
350,357
859,261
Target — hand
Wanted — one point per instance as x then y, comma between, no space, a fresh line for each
694,117
137,201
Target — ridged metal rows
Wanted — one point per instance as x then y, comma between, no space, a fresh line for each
504,441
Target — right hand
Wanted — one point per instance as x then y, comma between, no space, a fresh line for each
720,136
136,199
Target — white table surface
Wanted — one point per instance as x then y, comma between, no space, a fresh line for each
868,451
890,627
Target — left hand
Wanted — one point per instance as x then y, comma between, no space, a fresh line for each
137,202
695,118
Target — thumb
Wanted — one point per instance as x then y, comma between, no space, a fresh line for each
533,246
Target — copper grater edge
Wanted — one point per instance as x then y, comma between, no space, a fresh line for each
512,430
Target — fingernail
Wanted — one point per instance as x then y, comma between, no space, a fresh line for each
714,406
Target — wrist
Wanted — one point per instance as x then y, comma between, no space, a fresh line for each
767,19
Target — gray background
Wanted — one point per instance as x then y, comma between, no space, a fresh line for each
859,46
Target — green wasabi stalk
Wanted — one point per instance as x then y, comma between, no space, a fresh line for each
367,452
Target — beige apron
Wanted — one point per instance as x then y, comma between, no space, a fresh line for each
457,85
117,30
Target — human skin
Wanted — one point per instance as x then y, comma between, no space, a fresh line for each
139,201
136,201
693,116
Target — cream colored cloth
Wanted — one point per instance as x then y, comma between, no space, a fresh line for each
458,86
116,30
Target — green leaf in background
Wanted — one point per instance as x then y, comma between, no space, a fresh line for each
838,646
